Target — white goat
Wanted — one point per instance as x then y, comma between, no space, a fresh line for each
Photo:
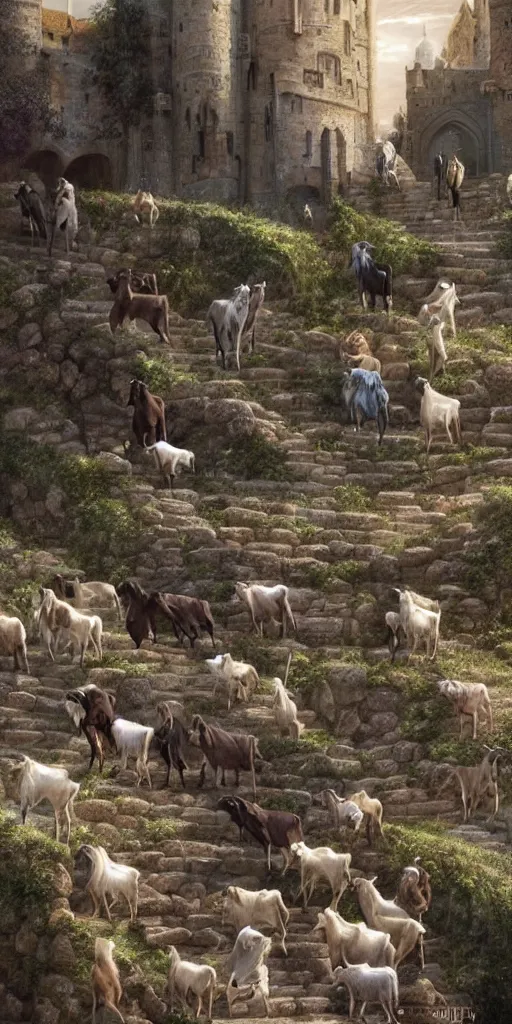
105,982
255,304
237,677
438,411
354,943
370,985
56,616
344,813
133,740
322,863
168,459
109,879
143,205
436,349
441,302
13,641
284,708
395,632
266,603
249,973
419,623
38,782
96,637
370,806
228,318
187,980
468,699
265,907
387,916
103,595
63,216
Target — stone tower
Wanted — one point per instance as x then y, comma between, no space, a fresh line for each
204,68
482,43
29,18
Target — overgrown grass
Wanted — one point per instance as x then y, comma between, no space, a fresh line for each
489,564
405,253
256,458
471,908
351,498
26,868
160,375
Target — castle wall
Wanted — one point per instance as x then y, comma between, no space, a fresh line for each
501,74
309,95
447,109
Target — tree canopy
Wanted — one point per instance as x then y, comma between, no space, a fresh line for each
121,56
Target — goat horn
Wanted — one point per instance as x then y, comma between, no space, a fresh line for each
287,668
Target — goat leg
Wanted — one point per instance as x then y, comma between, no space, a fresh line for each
202,774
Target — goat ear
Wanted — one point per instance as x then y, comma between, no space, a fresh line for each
374,879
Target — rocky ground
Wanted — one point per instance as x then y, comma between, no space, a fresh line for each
313,505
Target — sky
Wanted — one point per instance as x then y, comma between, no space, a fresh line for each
399,30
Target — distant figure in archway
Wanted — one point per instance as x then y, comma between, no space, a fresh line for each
440,166
454,178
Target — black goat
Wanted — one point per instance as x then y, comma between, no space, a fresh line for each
172,738
372,278
32,209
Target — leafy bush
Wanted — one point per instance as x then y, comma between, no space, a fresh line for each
120,51
351,498
256,458
160,375
471,907
405,252
26,868
489,566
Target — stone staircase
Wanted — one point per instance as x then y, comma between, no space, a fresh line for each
297,529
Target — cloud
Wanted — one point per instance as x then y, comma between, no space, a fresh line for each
417,19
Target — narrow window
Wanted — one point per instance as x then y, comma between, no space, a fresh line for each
326,6
347,39
309,146
187,118
337,6
229,143
200,142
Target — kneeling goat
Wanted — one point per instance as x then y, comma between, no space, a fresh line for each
187,980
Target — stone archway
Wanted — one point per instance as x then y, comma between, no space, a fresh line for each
48,166
93,170
455,131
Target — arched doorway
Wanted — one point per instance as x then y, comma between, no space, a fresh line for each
454,138
326,164
90,171
47,165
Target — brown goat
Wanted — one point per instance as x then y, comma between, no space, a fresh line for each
93,712
148,423
225,750
105,981
142,284
154,309
190,616
355,344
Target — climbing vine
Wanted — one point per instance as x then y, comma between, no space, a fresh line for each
24,99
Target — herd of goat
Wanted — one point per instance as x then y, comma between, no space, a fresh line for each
364,956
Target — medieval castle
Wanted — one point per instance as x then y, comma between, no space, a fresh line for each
254,100
462,100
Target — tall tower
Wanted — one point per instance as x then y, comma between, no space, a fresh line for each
30,22
482,45
206,128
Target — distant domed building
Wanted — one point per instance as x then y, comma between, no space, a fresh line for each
425,54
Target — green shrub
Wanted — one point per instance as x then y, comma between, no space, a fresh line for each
256,458
405,252
158,831
471,908
351,498
26,868
160,375
489,566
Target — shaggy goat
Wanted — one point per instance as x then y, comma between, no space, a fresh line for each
39,782
438,411
133,740
354,943
322,863
454,178
105,983
355,344
154,309
385,161
370,985
468,699
172,739
436,349
148,423
31,206
441,302
266,603
225,750
140,621
372,278
419,623
102,595
57,617
365,398
265,907
187,980
249,973
13,641
386,916
142,284
143,205
168,459
106,878
92,711
372,809
233,673
228,318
